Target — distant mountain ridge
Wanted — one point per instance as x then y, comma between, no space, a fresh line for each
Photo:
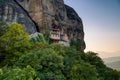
113,62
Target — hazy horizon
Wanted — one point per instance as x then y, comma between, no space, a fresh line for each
101,20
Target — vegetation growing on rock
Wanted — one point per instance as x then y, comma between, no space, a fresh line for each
25,60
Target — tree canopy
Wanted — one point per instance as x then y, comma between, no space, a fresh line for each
22,59
14,42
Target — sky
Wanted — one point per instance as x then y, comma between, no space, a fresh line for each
101,21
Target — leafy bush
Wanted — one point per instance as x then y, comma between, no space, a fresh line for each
14,43
38,39
46,61
27,73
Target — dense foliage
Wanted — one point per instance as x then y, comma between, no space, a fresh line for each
27,73
13,43
26,59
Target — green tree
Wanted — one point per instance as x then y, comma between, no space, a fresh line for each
46,61
38,39
72,42
93,59
76,44
3,28
83,71
104,72
27,73
14,42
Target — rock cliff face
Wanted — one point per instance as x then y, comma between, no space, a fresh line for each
42,13
11,12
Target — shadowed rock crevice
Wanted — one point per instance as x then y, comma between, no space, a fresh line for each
37,28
